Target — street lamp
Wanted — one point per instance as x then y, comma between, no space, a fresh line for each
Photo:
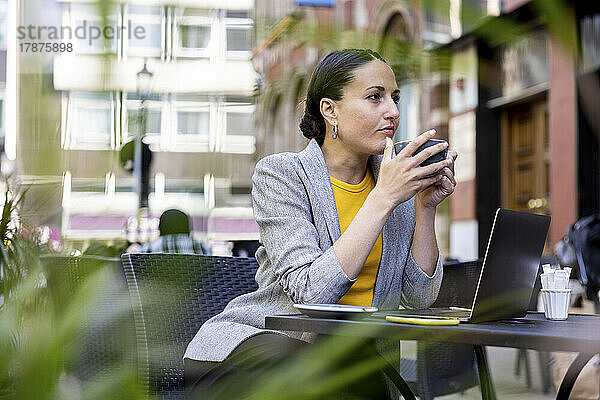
143,84
144,81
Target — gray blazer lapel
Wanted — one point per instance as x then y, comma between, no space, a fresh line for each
314,166
313,163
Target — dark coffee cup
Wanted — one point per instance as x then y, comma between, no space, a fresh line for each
441,156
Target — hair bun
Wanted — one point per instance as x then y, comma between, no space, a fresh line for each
311,127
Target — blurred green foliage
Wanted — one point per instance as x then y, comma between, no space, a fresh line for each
41,324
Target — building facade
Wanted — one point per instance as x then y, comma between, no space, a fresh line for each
78,105
522,110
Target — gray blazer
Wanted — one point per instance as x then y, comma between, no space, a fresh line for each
298,223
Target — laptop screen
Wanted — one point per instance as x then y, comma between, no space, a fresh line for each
510,265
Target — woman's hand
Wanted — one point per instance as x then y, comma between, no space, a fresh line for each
402,177
444,187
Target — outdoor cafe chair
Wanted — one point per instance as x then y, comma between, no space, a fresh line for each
172,296
544,357
105,336
444,368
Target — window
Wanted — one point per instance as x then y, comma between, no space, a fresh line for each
212,34
239,130
3,23
436,28
89,121
213,123
86,19
193,122
154,110
238,38
163,32
240,120
524,62
193,33
188,122
238,34
145,29
590,42
194,37
240,14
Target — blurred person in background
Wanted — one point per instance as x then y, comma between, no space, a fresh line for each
244,248
339,223
175,236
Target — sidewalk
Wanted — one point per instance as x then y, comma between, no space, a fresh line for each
508,386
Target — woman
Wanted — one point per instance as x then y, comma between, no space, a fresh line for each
338,222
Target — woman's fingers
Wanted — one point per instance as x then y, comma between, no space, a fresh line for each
439,176
452,155
447,185
428,152
432,168
410,149
448,173
389,147
426,182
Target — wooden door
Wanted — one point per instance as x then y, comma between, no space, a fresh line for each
525,160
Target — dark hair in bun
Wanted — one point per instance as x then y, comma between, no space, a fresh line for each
329,79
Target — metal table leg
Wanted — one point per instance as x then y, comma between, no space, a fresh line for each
544,362
569,380
400,383
485,379
389,370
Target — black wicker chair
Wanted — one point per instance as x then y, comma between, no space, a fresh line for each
445,368
106,337
172,296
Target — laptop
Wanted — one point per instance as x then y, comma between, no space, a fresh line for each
508,273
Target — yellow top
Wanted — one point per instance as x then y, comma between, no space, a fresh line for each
349,199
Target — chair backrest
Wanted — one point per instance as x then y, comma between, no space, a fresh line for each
172,296
106,335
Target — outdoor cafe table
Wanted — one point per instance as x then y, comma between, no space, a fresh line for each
580,333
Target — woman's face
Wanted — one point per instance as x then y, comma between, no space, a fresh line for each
367,114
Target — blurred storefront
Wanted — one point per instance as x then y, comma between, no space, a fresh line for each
524,112
76,110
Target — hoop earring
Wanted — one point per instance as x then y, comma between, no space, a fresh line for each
335,132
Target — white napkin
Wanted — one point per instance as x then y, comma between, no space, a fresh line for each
555,278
